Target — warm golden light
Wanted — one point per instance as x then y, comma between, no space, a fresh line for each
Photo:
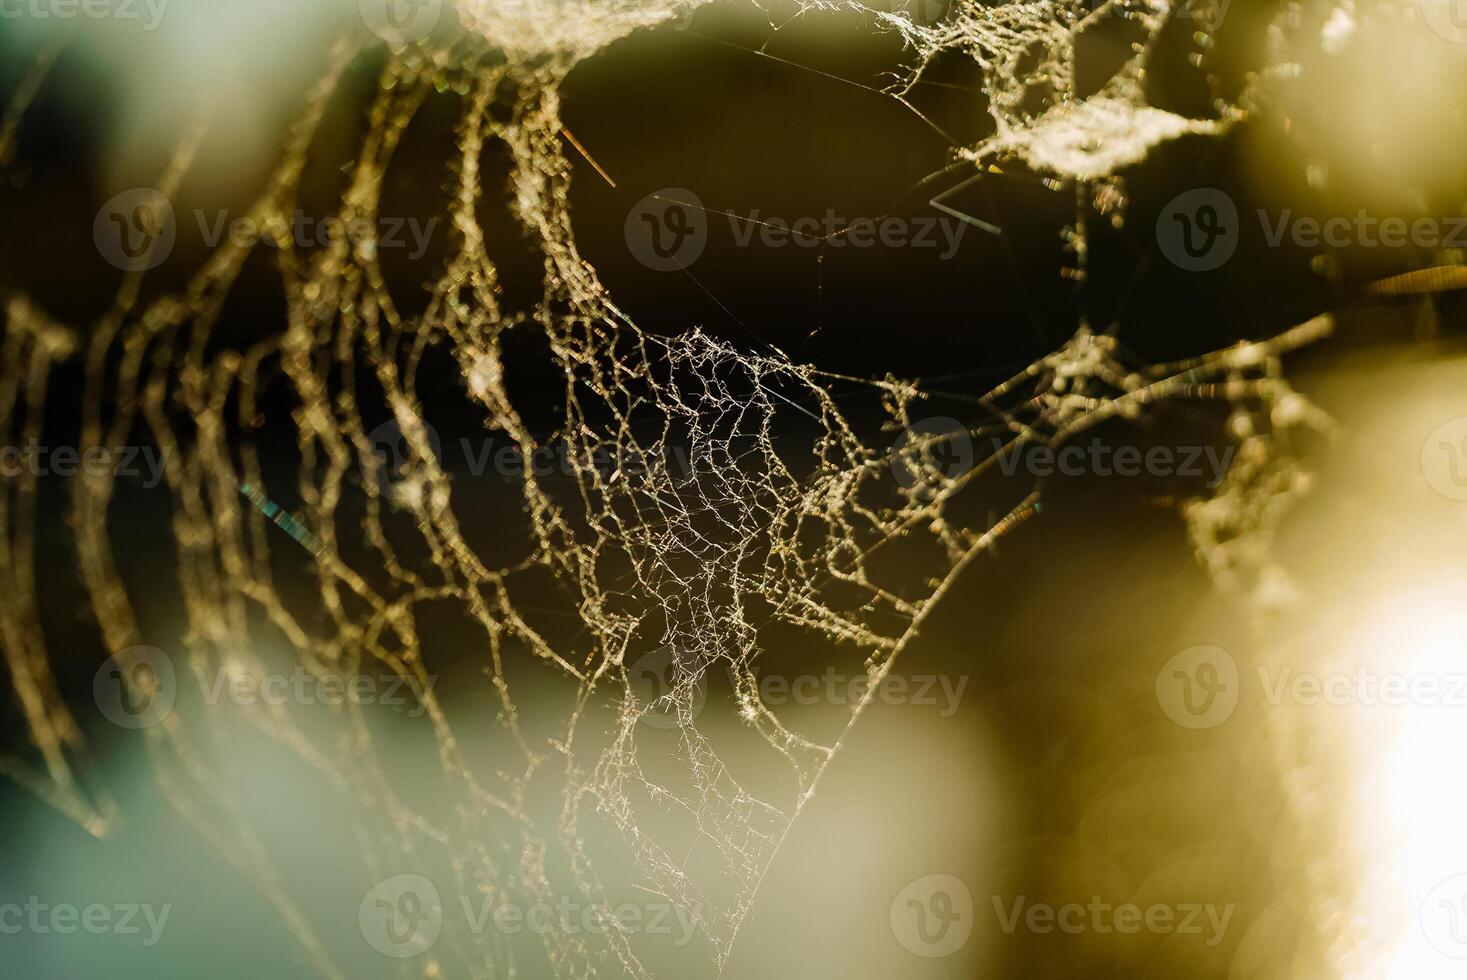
1412,791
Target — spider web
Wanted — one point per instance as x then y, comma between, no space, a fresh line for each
754,527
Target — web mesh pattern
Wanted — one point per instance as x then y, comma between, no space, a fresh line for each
712,522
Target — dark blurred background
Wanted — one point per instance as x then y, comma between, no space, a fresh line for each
1058,777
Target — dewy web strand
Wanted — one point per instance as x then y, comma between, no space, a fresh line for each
692,560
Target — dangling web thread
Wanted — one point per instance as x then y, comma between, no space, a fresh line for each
750,526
